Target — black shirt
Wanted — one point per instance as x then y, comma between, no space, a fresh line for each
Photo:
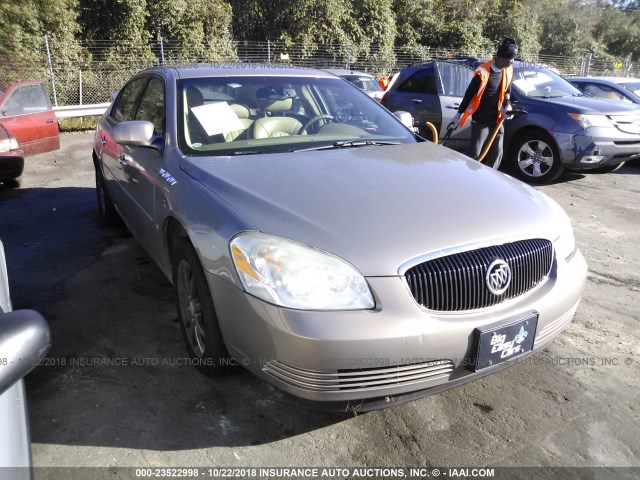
487,112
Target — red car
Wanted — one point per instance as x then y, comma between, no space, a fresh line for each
11,157
25,110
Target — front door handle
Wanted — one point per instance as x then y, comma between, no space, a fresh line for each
416,100
49,121
103,140
455,106
123,160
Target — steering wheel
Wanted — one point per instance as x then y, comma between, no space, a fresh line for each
313,120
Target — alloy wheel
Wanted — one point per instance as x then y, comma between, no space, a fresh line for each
191,309
535,158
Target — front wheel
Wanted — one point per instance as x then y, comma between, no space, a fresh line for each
535,159
197,316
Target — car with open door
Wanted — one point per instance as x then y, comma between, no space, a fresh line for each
562,129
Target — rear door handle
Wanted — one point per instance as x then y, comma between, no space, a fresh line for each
49,121
123,160
416,100
455,106
103,140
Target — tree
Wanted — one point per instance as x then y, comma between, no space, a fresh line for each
196,30
560,33
518,19
59,21
117,30
20,39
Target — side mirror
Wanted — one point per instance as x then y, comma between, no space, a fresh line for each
405,118
24,342
136,133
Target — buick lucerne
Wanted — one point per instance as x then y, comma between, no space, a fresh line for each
312,238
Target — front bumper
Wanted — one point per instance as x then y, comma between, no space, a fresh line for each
597,147
396,352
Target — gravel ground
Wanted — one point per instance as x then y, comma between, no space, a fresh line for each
575,404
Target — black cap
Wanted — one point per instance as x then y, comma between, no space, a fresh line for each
507,48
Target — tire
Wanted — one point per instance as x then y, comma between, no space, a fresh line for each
196,314
12,182
607,169
107,211
534,158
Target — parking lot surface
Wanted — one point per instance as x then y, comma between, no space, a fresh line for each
115,390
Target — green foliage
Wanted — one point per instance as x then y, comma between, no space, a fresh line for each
362,33
195,30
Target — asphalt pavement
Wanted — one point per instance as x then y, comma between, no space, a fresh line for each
115,390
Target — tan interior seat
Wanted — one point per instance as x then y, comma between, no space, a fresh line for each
197,134
242,112
276,126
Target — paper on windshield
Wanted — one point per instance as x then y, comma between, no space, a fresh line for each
217,118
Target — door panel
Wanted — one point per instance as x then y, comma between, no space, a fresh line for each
124,109
141,166
418,95
455,79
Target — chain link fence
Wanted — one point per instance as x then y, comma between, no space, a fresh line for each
107,65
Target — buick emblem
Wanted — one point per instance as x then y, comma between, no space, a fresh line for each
498,277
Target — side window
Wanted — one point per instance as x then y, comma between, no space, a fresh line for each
125,108
423,81
455,78
27,99
602,91
151,106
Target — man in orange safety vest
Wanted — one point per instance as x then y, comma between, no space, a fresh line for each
486,101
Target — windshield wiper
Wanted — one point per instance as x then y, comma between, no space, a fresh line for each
348,144
246,152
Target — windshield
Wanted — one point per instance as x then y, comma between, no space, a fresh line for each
633,87
364,82
542,83
268,114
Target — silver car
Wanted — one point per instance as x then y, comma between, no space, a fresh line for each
365,82
313,240
24,342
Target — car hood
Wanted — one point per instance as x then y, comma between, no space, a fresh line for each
378,206
592,105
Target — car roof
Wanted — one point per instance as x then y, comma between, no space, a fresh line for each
340,72
239,69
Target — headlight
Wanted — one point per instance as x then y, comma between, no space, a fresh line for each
587,121
566,243
294,275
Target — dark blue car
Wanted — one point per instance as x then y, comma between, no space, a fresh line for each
563,129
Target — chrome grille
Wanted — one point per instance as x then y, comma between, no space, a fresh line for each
359,379
626,123
457,282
